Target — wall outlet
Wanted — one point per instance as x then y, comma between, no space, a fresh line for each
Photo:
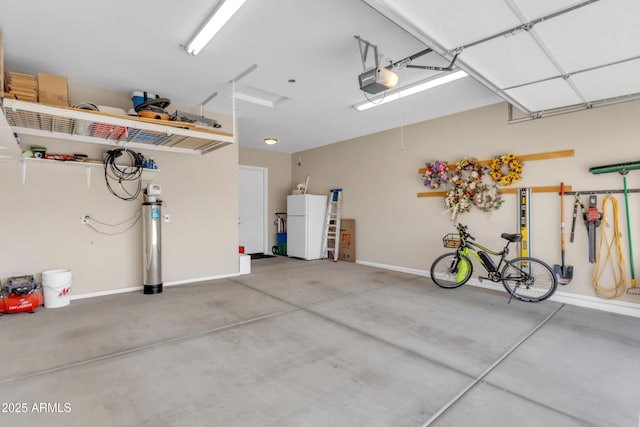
84,219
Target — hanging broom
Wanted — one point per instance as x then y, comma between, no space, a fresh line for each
623,169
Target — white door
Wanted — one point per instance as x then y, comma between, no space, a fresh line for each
252,209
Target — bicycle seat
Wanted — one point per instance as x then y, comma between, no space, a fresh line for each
512,237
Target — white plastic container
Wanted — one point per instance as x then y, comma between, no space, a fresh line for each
245,264
56,287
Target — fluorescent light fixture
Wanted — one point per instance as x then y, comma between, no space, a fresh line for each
412,90
271,141
225,10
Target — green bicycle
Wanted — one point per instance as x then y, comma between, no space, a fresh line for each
525,278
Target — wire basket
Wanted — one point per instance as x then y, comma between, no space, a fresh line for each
451,240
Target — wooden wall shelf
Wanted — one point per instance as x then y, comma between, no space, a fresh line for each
523,158
506,190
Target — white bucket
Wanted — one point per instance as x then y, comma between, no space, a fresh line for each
56,287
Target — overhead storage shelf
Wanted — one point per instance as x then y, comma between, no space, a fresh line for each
27,118
9,147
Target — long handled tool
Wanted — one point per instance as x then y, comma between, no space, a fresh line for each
564,273
632,290
623,169
592,220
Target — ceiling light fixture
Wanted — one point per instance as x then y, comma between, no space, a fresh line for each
271,141
214,23
429,84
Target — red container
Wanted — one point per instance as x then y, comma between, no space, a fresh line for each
20,303
101,130
241,249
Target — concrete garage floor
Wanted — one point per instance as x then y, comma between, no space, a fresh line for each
317,343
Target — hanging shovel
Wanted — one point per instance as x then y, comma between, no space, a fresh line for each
564,273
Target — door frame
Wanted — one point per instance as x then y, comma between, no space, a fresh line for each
265,198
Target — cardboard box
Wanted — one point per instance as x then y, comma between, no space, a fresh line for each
347,251
22,86
53,90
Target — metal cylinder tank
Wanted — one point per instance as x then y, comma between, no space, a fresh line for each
152,252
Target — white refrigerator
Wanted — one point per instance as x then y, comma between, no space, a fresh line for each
305,225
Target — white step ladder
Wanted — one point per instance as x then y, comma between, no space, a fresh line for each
331,235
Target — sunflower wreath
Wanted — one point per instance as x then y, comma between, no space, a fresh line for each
487,197
506,169
436,175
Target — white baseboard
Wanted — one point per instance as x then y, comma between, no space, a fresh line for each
104,293
587,301
139,288
201,279
394,268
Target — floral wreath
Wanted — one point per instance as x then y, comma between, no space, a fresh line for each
487,197
466,178
506,169
457,200
467,174
436,175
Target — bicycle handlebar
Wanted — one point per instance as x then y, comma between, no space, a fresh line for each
462,229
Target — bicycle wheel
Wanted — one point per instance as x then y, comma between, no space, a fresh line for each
529,279
451,270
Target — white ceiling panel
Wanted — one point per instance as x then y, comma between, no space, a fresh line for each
545,95
572,36
510,61
616,80
594,35
450,23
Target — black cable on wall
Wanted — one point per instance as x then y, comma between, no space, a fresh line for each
123,173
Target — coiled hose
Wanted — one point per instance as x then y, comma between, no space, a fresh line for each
610,245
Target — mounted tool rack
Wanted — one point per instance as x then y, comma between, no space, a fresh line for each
605,192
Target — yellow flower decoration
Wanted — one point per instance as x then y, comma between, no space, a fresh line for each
506,169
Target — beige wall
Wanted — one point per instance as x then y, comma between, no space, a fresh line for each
379,175
41,226
279,176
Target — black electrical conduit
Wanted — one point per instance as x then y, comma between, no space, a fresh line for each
121,173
